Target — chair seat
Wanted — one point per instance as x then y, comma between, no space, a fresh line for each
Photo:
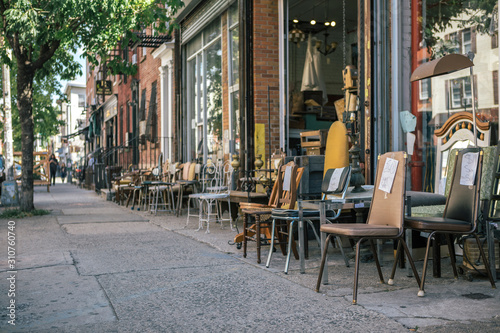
307,213
187,182
197,195
208,196
360,230
437,224
217,188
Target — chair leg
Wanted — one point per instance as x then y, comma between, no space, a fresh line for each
451,249
485,261
394,265
209,213
421,291
375,256
271,248
187,220
200,216
257,235
323,260
356,274
290,241
231,223
245,226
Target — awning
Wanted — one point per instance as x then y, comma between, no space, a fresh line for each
81,131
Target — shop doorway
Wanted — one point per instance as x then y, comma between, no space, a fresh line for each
322,41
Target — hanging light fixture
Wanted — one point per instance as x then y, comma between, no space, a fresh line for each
329,48
296,35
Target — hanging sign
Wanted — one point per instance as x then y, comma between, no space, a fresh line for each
103,87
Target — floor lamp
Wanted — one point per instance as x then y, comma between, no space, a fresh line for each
448,64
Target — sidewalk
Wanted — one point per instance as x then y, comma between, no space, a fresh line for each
97,266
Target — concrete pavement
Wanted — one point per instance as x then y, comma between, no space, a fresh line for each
93,266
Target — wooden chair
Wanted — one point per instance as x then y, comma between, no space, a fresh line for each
188,174
460,216
385,218
284,195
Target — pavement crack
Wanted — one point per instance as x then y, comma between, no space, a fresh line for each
75,263
107,298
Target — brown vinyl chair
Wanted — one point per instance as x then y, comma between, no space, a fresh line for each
385,219
460,216
281,197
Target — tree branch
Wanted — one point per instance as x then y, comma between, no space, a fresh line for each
47,50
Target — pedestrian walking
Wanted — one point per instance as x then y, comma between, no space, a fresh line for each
53,168
64,172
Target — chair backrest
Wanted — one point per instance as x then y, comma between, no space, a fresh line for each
457,132
276,194
208,176
287,186
192,171
337,147
463,200
387,206
336,182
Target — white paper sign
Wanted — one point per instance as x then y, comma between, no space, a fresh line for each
277,163
388,175
286,178
335,180
469,169
410,142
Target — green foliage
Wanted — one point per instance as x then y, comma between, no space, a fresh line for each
45,114
15,213
442,14
44,34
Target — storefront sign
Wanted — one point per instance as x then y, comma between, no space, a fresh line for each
103,87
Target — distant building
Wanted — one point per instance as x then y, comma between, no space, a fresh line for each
69,144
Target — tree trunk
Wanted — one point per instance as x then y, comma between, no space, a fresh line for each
25,76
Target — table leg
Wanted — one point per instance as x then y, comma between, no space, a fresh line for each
301,239
322,220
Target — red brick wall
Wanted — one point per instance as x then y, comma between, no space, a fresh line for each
266,67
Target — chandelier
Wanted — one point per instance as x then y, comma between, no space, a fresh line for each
296,35
329,48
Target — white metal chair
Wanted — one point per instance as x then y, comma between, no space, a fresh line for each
218,190
207,175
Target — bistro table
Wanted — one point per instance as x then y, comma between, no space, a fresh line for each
358,201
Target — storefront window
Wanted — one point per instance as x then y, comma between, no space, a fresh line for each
234,77
453,27
204,94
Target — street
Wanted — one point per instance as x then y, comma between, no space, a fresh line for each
93,266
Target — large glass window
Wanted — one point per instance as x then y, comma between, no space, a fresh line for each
234,77
445,28
204,94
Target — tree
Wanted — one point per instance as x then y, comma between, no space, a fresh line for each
43,34
45,114
442,14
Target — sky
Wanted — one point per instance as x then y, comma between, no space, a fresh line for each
79,79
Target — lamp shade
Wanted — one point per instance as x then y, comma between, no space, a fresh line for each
448,64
